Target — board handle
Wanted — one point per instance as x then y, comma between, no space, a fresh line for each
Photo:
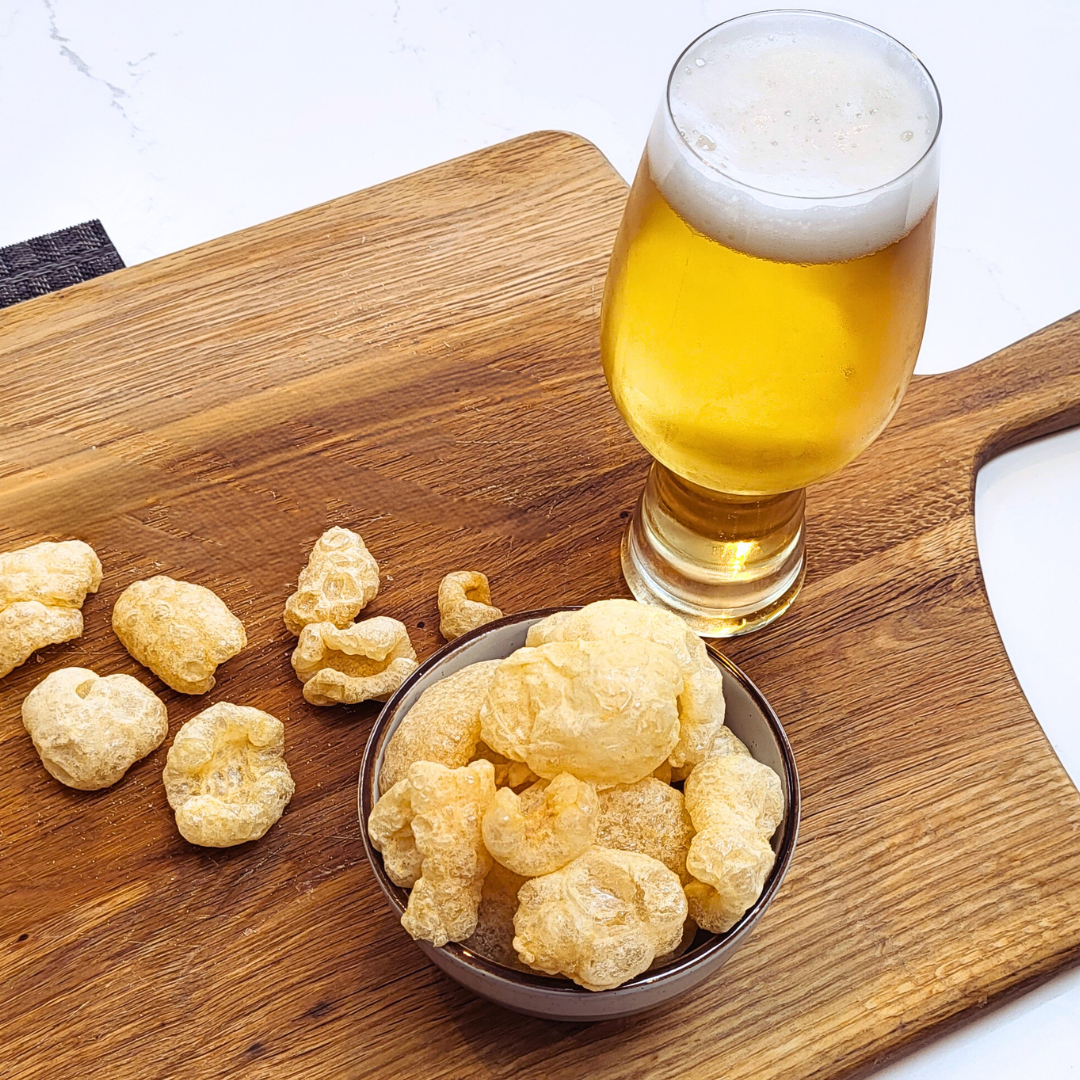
1027,390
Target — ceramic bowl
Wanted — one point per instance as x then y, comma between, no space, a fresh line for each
749,717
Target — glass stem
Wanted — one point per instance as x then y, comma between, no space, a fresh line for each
727,563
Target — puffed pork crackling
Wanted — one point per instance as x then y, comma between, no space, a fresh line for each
179,630
88,730
494,933
648,817
465,603
735,803
341,578
544,827
605,711
42,589
428,827
226,776
701,700
601,919
366,661
443,724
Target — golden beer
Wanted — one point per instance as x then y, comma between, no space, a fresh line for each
751,375
766,297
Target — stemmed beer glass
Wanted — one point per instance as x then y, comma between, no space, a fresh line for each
766,297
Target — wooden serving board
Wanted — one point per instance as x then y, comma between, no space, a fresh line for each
419,361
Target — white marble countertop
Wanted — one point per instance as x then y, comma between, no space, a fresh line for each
180,120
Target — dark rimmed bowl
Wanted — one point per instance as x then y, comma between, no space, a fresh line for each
749,717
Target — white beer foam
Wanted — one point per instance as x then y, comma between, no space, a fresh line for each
798,137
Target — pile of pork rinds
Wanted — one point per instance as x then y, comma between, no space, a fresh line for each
530,805
225,776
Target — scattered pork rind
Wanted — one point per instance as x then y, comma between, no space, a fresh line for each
390,829
90,730
226,776
464,603
42,588
605,711
443,724
701,701
55,574
341,578
648,817
29,625
601,919
367,661
493,937
179,630
735,803
544,827
448,806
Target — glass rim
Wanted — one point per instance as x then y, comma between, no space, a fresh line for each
827,15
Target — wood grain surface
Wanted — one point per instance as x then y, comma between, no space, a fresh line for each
419,362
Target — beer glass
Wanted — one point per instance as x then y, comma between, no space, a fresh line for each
766,297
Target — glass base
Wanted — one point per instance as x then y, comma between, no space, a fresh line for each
728,564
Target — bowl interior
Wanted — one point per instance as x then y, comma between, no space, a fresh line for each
748,715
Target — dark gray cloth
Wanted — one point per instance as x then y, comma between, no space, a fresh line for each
53,261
